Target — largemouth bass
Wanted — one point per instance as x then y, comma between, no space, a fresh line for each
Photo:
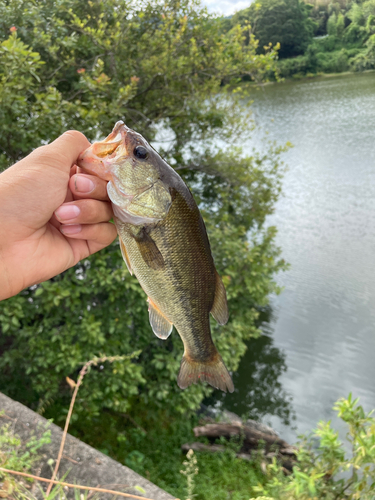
164,242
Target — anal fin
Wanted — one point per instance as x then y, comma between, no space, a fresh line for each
220,306
160,325
125,256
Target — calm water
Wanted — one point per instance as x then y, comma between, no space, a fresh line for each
320,343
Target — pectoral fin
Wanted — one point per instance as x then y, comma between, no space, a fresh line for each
161,326
125,256
220,307
149,251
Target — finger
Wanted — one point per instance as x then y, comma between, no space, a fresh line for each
88,186
84,212
97,236
69,145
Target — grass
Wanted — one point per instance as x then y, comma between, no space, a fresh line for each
153,449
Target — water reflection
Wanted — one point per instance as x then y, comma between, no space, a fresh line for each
326,230
259,393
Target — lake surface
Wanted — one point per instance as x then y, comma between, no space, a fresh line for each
320,342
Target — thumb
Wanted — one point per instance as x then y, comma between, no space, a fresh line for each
60,154
66,148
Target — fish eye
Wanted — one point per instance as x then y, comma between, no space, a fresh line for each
140,152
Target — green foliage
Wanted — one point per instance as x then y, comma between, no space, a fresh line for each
333,62
319,15
336,25
294,66
173,74
339,27
331,24
324,470
280,21
154,451
28,112
19,456
356,14
326,44
365,60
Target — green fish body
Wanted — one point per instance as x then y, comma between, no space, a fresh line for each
164,243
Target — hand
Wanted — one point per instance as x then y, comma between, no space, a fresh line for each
51,216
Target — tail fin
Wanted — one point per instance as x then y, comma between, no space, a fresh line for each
214,373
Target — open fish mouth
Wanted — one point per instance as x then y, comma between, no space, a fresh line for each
110,144
97,158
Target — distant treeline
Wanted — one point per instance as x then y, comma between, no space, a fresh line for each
323,37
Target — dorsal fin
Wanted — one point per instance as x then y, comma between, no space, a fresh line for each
125,256
220,306
161,326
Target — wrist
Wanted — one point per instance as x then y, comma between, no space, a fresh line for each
8,286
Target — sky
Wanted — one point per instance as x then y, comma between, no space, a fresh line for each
226,7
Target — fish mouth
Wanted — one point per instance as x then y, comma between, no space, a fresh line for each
97,158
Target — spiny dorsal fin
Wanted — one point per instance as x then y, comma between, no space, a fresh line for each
149,251
125,256
161,326
220,307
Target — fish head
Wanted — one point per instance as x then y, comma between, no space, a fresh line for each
130,165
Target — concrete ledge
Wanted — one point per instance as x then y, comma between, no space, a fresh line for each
84,465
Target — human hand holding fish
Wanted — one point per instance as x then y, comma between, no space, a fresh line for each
51,216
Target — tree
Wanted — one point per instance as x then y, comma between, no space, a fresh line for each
169,71
279,21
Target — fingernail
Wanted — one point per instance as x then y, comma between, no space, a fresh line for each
67,212
83,184
71,229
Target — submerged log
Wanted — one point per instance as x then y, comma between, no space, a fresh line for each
251,434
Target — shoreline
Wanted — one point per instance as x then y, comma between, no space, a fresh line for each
321,75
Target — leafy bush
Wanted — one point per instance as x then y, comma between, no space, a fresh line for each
325,470
333,62
355,34
365,60
293,65
326,44
331,24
